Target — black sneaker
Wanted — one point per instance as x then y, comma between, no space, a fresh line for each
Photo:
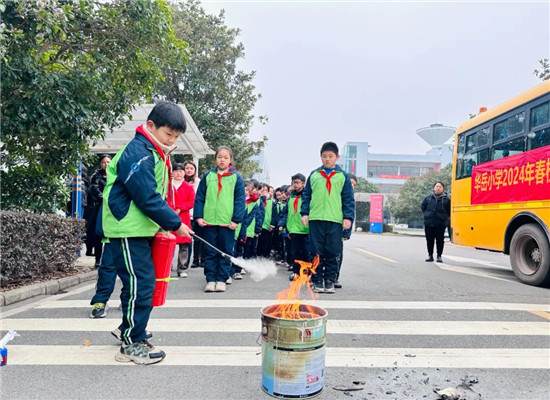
318,287
99,310
140,353
118,334
337,285
429,259
329,287
438,259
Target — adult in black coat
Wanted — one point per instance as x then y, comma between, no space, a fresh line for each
436,208
95,198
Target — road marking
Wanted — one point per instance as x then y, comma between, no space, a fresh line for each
376,255
335,357
355,327
329,304
542,314
476,261
476,272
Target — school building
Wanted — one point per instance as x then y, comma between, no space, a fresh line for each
390,171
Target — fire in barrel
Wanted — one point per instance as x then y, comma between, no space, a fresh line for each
293,342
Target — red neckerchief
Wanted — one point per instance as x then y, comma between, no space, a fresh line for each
166,160
329,185
295,204
252,199
220,176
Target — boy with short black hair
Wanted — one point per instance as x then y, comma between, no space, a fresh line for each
290,218
134,208
278,240
266,236
258,219
328,207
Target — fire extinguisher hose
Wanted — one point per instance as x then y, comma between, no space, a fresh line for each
224,255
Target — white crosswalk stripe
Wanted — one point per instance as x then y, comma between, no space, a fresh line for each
334,304
347,357
253,325
336,357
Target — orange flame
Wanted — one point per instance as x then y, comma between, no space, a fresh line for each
290,306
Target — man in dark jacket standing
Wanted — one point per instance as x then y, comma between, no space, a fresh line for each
436,208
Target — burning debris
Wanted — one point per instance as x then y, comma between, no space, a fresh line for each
290,306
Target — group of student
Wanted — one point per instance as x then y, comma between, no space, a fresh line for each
142,195
241,218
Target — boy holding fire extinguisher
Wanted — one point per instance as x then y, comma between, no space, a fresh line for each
134,208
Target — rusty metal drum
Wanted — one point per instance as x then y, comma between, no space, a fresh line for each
293,353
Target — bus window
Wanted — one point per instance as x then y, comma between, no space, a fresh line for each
538,139
483,137
470,160
509,127
460,157
508,148
540,115
459,167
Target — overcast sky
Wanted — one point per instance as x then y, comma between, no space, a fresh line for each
376,72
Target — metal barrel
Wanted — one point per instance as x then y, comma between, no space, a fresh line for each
293,353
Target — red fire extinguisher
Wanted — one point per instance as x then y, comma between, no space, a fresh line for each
164,244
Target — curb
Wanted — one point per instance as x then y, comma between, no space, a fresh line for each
44,288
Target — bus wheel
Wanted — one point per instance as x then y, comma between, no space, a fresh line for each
530,255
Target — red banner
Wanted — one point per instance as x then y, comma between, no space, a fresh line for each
376,208
521,177
394,176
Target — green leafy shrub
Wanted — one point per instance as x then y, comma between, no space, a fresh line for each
37,247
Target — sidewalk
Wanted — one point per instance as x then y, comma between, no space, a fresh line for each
409,231
53,286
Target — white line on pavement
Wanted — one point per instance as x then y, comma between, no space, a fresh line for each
254,325
335,357
476,261
476,272
328,304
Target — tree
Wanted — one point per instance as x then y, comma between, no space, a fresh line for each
544,73
72,69
406,206
218,96
364,186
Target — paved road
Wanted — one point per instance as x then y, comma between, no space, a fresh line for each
403,326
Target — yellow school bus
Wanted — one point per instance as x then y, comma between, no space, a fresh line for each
501,183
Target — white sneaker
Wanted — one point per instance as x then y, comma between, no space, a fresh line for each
182,274
243,272
237,276
229,281
210,287
220,287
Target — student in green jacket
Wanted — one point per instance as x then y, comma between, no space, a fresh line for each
134,209
328,207
219,209
290,219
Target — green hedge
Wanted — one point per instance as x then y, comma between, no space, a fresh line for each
37,247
